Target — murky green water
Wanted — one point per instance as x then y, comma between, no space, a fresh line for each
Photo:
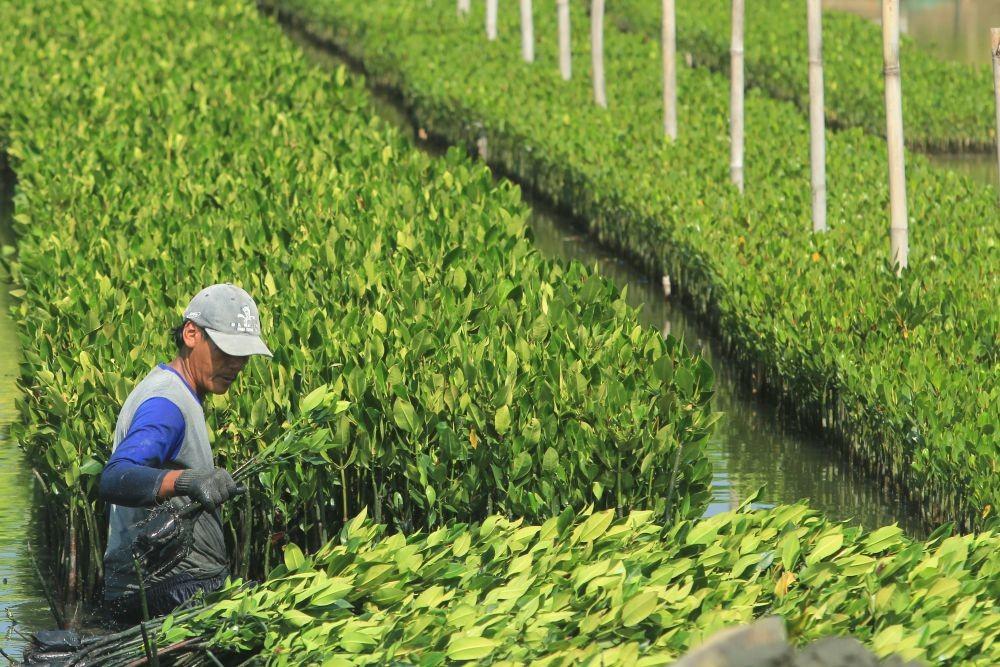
753,446
953,29
981,167
20,596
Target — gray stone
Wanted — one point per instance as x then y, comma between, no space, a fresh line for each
765,644
836,652
762,644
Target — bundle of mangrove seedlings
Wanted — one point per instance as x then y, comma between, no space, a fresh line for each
590,588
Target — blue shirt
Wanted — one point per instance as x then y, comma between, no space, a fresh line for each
135,471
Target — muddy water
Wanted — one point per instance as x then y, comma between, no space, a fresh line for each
753,446
20,595
952,29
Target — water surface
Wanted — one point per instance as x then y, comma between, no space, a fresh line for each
753,445
951,29
20,595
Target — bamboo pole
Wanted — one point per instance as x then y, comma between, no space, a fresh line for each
817,119
669,38
491,19
463,7
527,32
995,34
736,97
898,232
565,57
597,51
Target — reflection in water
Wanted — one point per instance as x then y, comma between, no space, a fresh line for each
953,29
981,167
752,447
19,592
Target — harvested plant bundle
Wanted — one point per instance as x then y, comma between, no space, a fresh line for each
166,535
590,589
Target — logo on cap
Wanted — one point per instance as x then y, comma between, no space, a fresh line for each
247,321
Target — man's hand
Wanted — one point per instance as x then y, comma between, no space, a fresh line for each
210,488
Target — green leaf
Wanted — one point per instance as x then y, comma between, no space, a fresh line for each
297,618
404,415
639,608
882,539
825,547
464,649
91,467
461,545
315,398
502,420
521,466
293,557
594,526
702,532
789,547
379,323
550,461
663,368
336,589
356,642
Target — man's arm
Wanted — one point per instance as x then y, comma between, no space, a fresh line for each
134,476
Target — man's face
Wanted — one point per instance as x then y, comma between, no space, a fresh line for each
214,371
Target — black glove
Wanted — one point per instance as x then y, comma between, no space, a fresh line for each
210,488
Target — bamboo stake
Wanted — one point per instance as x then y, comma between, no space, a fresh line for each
527,32
995,34
491,19
736,97
565,57
898,232
817,119
669,38
463,7
597,51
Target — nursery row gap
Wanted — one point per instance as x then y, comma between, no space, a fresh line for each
755,444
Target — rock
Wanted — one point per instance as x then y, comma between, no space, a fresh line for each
762,644
836,652
765,644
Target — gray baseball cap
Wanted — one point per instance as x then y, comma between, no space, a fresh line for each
230,318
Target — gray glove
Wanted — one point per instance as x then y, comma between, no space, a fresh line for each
210,488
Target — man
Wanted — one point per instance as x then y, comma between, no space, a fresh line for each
162,452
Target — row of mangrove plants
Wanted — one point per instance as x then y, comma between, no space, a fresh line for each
462,435
948,106
903,369
162,147
591,588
